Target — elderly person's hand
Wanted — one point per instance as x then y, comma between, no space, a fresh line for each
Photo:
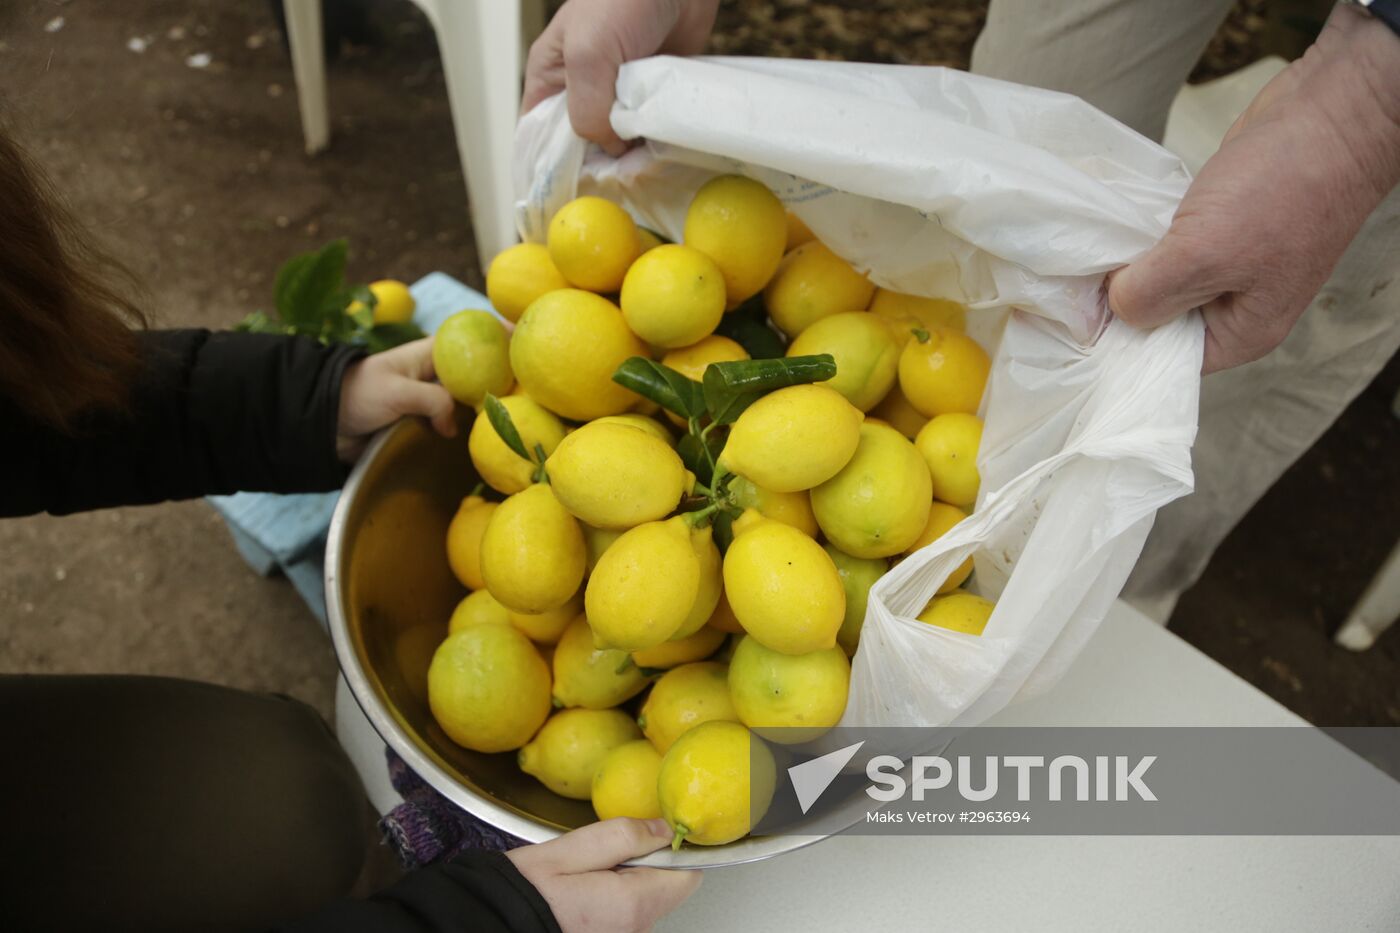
588,40
1271,213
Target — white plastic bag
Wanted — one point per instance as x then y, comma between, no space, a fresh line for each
1012,199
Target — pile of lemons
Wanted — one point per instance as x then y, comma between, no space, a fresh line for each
658,591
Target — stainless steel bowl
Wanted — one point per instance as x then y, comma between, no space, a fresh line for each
389,593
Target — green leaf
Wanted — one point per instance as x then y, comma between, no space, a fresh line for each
746,326
382,337
307,284
692,454
662,385
723,526
500,420
260,323
732,387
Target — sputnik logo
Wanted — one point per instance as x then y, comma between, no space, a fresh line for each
811,778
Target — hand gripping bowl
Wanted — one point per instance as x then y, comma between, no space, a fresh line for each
389,593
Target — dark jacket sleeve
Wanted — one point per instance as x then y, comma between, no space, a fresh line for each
480,892
209,413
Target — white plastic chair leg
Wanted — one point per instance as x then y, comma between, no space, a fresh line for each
309,67
1377,609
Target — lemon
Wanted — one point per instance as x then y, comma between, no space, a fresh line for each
944,371
683,698
878,503
959,611
680,651
649,239
471,356
479,608
797,233
545,628
592,241
597,541
906,312
790,508
784,588
616,476
532,554
565,350
948,444
941,519
567,751
488,688
518,276
788,698
393,303
793,439
896,411
641,422
858,575
711,583
865,350
595,678
644,586
742,226
673,296
812,283
692,361
723,617
715,782
625,782
500,467
464,540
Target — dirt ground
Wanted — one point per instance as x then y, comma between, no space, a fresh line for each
193,173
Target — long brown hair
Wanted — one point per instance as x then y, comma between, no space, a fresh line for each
66,311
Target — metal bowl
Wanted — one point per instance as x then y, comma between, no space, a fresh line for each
389,593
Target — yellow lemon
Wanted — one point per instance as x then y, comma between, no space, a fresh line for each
464,540
592,241
565,350
680,651
479,608
858,575
616,476
567,751
742,226
393,302
644,586
790,508
949,444
959,611
502,468
788,698
471,356
692,361
518,276
641,422
941,519
545,628
649,239
896,411
711,583
865,350
625,782
723,617
793,439
716,781
797,233
488,688
673,296
812,283
532,554
878,503
598,540
784,588
906,312
596,678
942,371
683,698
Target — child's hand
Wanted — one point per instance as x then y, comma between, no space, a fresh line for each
381,389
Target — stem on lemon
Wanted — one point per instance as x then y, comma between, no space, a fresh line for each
702,516
681,832
920,334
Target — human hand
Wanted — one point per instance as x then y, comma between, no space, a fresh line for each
577,875
380,389
588,40
1271,213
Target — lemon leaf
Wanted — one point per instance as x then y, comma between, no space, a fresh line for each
732,387
306,285
500,419
387,336
746,327
662,385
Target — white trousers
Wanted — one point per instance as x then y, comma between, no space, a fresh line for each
1129,58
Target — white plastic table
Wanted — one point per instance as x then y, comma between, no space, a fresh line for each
1132,673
